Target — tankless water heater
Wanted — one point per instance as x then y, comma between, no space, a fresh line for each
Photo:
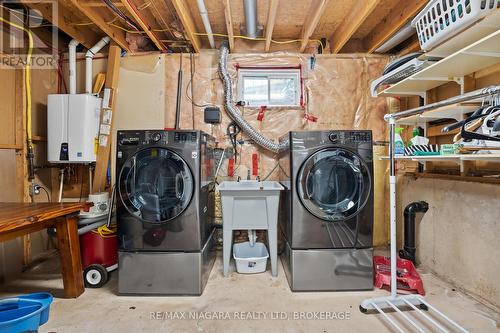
73,127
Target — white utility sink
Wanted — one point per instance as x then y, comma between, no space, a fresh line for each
246,185
250,205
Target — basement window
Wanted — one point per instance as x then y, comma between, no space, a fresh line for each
269,87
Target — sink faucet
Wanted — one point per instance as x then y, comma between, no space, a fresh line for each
238,179
248,174
258,178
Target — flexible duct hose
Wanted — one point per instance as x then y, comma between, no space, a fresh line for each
233,111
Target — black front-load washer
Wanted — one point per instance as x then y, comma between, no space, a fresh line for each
165,186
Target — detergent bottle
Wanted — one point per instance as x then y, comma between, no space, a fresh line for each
399,145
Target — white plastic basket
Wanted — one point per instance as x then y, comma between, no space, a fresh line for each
442,19
250,259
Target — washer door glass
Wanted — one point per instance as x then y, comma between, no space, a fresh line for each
156,185
334,184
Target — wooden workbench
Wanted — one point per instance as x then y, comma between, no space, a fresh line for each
18,219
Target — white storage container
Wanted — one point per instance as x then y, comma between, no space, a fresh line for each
442,19
250,259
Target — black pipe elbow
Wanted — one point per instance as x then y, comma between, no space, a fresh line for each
416,207
409,250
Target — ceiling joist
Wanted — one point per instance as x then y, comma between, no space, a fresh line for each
93,14
87,37
271,19
392,23
187,22
144,23
316,9
357,15
229,23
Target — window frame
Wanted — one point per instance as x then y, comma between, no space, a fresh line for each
269,74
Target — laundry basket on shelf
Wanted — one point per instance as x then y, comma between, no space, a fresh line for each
442,19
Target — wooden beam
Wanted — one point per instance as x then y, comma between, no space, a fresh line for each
90,3
187,22
87,37
357,15
414,46
145,25
271,18
316,9
229,24
392,23
116,34
104,148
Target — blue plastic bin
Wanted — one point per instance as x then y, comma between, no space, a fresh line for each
24,313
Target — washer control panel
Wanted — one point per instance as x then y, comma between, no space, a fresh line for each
156,137
349,137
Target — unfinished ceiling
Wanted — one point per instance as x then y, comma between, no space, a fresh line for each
177,25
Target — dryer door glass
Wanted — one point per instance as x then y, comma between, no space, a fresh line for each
156,185
334,184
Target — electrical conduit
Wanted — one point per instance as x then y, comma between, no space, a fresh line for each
233,111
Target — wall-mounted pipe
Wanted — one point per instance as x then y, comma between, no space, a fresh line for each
250,8
233,111
206,22
88,62
72,65
409,250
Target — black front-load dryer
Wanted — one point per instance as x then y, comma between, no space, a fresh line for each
326,210
164,189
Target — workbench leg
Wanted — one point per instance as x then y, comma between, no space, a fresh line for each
69,250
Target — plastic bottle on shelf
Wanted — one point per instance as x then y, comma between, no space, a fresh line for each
399,145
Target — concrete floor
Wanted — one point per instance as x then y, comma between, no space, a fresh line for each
246,298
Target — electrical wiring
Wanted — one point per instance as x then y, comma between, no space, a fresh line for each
189,86
263,39
27,80
46,192
291,41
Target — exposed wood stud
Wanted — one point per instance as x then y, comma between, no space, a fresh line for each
133,11
187,22
312,19
229,23
103,152
116,34
398,17
87,37
271,19
357,15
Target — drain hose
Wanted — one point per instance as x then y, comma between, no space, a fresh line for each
233,111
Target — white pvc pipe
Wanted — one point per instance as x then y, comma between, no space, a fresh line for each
206,22
403,34
72,65
88,62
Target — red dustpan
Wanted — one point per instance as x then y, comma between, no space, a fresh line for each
408,279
